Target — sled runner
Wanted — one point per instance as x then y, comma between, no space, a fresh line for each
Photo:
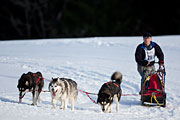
153,89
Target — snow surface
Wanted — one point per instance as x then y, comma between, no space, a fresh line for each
90,62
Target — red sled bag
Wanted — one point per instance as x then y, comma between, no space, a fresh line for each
153,90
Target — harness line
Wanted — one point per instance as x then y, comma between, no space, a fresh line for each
87,93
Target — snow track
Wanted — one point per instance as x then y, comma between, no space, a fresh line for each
90,62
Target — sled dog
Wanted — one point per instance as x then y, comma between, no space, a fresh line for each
30,82
109,91
63,89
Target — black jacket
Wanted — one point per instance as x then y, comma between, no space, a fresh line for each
140,54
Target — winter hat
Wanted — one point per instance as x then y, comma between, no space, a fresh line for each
147,35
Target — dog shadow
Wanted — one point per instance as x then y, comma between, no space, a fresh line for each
46,102
87,109
8,100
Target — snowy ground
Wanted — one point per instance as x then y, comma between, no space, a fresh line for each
90,62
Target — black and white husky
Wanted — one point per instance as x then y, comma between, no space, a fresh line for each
109,91
30,82
63,90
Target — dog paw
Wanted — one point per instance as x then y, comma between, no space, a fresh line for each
20,101
33,104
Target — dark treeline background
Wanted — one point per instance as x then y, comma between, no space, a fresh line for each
29,19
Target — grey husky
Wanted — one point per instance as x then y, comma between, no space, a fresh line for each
63,90
109,91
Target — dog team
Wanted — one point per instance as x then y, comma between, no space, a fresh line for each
65,90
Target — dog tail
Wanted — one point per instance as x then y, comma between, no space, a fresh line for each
117,76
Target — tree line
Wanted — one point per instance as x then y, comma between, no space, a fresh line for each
33,19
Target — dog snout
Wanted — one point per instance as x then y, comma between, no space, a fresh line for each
103,108
53,89
21,95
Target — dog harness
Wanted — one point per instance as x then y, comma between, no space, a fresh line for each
112,83
38,78
113,86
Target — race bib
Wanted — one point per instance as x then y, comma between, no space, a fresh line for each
149,55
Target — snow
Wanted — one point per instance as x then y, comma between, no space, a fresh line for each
90,62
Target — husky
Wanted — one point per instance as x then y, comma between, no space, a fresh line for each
63,90
31,82
109,91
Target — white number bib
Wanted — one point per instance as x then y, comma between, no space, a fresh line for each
149,55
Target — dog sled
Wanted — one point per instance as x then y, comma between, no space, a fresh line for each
153,89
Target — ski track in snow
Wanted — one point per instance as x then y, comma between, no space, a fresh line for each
90,62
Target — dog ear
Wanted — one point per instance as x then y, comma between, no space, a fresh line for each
58,79
27,83
30,73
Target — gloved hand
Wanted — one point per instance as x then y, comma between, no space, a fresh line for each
161,67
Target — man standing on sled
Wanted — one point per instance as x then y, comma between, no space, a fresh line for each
145,56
